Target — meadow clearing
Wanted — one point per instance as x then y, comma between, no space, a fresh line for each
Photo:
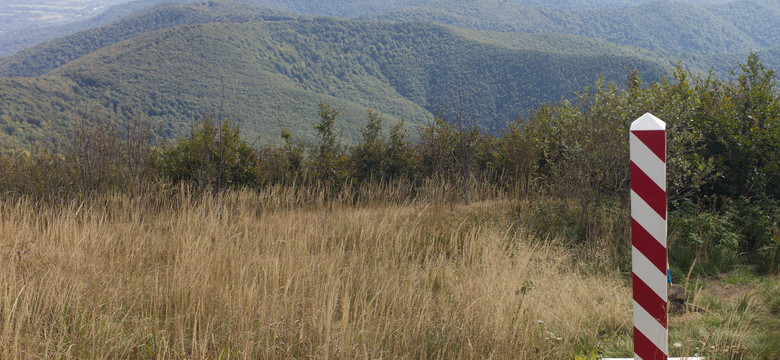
285,273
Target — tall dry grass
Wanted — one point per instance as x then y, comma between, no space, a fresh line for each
276,274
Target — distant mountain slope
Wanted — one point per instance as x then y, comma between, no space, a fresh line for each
666,26
272,69
45,57
355,8
759,19
602,4
669,30
22,36
338,8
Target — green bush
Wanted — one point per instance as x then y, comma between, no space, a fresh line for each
739,232
758,221
398,154
213,157
282,165
329,162
368,157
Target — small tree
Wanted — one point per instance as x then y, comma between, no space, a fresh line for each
212,157
329,162
398,154
368,157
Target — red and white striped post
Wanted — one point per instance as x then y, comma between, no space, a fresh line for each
648,237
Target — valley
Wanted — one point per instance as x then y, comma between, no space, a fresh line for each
264,67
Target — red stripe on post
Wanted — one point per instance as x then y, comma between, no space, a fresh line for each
655,140
648,190
649,300
648,246
645,348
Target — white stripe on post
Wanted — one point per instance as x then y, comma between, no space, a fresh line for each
655,167
648,218
648,237
646,271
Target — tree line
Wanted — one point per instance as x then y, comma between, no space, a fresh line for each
723,151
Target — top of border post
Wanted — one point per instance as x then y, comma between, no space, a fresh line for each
648,122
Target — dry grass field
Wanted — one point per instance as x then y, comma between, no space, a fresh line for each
281,274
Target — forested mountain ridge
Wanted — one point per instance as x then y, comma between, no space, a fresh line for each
406,68
602,4
753,17
338,8
265,71
760,19
356,8
17,37
45,57
666,26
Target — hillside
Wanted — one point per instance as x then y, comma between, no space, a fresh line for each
339,8
353,8
756,18
45,57
703,34
601,4
22,28
20,32
265,70
674,30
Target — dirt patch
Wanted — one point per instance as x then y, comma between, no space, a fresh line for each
729,287
727,291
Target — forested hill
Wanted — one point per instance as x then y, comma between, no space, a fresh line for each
18,37
264,71
353,8
338,8
43,58
742,13
759,19
603,4
671,28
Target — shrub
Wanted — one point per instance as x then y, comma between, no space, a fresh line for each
213,157
329,162
99,157
281,165
368,157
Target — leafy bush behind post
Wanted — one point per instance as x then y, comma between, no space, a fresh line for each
722,151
